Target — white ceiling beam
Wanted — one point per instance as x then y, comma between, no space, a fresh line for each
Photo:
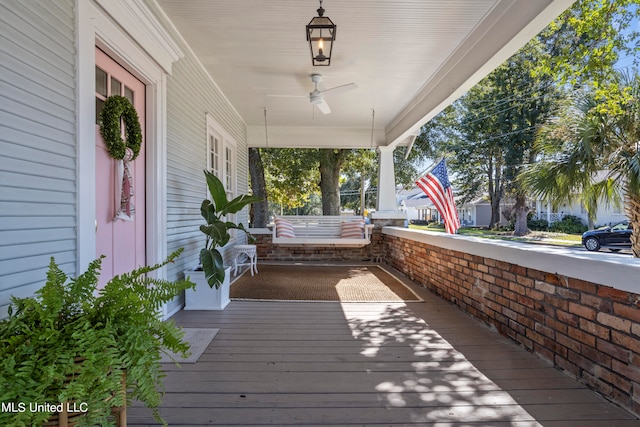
314,137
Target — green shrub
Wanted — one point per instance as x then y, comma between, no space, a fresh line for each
570,224
538,224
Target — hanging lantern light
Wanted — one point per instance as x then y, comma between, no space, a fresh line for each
321,33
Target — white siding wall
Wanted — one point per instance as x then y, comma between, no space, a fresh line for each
37,143
191,94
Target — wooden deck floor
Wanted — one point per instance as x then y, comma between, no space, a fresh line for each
368,364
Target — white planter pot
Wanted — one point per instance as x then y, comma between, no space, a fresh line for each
203,297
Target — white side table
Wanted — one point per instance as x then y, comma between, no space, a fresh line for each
248,251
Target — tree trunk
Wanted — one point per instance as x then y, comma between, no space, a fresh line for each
632,206
330,163
521,211
495,192
259,212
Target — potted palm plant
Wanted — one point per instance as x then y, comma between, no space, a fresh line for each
212,277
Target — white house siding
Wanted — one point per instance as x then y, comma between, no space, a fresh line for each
37,143
191,94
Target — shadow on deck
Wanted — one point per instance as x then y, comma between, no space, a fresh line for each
391,364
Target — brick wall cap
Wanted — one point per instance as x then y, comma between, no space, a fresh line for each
614,270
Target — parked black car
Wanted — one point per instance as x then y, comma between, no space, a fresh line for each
614,238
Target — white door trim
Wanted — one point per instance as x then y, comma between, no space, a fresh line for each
97,28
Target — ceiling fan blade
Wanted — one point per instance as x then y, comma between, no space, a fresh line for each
287,96
340,89
323,106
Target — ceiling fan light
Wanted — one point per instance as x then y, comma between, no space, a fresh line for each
321,33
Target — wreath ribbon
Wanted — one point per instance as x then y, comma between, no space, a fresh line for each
124,181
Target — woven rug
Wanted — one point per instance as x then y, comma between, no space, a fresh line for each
321,283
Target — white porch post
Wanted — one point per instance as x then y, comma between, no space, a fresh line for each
386,181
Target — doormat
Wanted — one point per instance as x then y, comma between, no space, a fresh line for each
322,283
198,338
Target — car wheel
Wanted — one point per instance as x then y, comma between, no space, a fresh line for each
592,244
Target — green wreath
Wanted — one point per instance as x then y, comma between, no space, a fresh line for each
115,107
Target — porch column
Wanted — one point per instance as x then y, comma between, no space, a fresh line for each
386,181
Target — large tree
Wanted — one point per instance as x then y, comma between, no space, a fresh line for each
591,153
259,212
489,133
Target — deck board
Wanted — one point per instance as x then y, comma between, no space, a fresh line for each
392,364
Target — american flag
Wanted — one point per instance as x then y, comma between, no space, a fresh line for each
436,185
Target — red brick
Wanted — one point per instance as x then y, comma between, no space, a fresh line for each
595,329
569,368
616,380
627,311
626,341
568,293
582,311
543,352
555,324
519,270
557,302
615,351
599,357
600,386
537,295
614,294
525,281
570,343
545,330
626,370
517,288
535,315
614,322
535,274
554,279
596,302
582,336
569,319
582,285
545,287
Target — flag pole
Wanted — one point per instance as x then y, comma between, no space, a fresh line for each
430,168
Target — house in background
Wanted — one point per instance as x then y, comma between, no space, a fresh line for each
476,213
209,80
607,214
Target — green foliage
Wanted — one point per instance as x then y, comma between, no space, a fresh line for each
538,224
488,134
71,344
570,224
115,108
585,43
216,228
592,154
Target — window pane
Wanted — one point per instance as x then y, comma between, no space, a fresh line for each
101,82
116,86
99,107
128,93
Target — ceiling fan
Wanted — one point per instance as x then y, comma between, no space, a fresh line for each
317,96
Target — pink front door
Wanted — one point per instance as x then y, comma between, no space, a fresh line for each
122,242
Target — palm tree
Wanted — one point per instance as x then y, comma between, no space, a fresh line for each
591,153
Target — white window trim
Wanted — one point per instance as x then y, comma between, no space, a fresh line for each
227,142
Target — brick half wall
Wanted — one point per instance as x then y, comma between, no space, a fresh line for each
579,311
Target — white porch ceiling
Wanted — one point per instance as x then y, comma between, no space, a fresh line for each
409,58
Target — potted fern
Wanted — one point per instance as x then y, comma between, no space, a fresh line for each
212,277
73,351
